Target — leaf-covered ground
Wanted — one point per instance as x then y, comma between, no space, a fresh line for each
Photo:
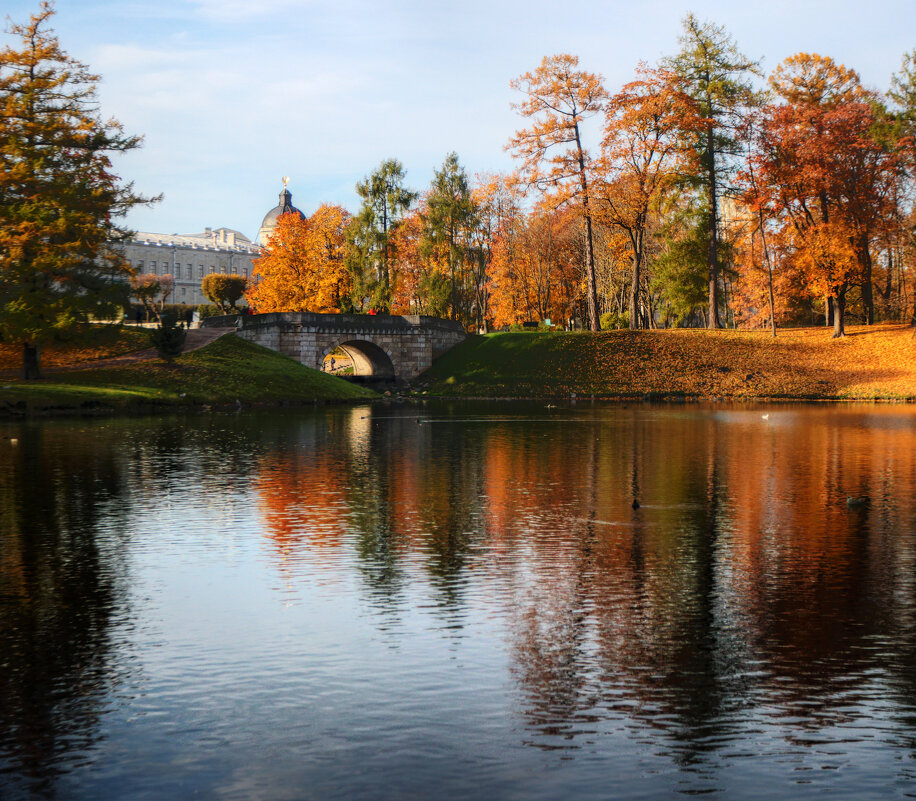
225,372
870,362
91,342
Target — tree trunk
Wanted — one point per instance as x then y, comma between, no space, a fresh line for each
634,294
31,355
839,313
868,296
889,280
713,236
593,321
828,311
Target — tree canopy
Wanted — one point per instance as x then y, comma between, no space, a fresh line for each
59,198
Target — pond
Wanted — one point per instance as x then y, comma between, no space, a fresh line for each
498,601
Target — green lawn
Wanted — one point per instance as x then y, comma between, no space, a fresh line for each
222,373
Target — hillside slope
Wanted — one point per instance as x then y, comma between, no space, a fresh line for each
877,362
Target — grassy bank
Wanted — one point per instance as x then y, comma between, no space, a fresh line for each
225,372
877,362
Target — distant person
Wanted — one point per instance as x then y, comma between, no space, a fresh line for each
333,362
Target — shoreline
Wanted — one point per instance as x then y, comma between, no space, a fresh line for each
92,410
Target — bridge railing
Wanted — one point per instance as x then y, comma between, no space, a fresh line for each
344,322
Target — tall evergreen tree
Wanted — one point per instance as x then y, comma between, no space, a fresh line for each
717,76
385,201
58,194
903,90
448,222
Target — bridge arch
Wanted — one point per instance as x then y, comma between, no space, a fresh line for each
384,347
367,357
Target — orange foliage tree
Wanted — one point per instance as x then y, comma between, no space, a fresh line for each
827,176
535,271
407,265
560,98
302,267
647,125
497,200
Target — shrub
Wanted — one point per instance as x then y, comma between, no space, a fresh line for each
206,310
224,290
169,338
611,321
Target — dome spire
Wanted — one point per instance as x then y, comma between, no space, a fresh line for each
285,206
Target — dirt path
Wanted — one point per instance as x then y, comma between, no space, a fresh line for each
197,338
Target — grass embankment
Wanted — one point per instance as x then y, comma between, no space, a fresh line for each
225,372
877,362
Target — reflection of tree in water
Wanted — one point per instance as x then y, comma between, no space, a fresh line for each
61,588
822,584
742,581
389,486
628,615
695,608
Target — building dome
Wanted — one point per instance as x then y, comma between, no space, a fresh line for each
270,219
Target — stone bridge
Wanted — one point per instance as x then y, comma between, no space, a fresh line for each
386,347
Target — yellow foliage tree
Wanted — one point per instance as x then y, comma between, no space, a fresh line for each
302,268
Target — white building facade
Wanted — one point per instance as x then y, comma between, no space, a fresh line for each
190,257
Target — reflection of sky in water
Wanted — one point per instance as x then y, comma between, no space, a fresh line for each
461,600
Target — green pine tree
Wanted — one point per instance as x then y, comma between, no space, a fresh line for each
718,77
369,256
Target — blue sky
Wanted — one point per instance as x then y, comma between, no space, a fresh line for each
232,95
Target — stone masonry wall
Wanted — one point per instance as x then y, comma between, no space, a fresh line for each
409,342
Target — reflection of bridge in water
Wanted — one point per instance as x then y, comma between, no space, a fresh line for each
385,347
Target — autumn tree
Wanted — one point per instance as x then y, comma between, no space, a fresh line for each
224,290
497,199
385,200
560,97
59,197
152,291
410,266
647,127
535,273
717,76
302,267
828,175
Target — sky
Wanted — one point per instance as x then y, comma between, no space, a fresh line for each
232,95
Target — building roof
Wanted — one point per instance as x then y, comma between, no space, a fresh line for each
285,206
211,239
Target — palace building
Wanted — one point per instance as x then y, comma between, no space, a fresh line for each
190,257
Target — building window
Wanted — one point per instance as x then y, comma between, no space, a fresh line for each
140,264
190,271
177,272
184,292
152,267
200,271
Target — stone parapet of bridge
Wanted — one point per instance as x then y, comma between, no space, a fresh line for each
399,347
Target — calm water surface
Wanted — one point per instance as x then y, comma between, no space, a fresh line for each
459,601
